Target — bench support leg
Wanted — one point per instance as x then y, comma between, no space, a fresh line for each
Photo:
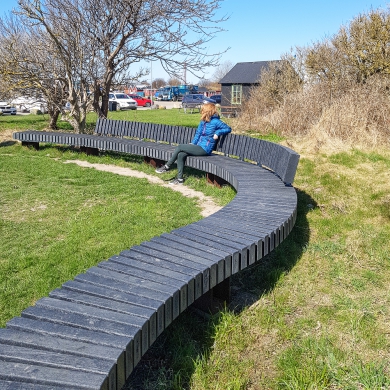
215,299
89,151
154,162
34,145
215,180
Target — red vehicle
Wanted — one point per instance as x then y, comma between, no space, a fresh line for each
141,101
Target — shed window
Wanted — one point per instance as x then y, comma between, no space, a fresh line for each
236,94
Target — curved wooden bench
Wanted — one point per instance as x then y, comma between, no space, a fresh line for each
91,332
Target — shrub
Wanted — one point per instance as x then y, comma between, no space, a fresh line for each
340,88
36,111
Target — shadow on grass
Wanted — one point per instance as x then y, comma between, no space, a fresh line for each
169,363
251,283
7,143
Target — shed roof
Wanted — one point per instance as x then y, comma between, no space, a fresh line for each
245,72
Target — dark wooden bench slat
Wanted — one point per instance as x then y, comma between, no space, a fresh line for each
49,376
213,260
220,257
71,333
15,385
147,271
120,296
50,343
38,357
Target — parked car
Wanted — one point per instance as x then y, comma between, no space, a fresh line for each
217,98
6,108
141,101
193,100
28,104
122,100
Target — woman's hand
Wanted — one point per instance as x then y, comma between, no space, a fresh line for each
215,136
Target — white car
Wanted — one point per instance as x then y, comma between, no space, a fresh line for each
6,108
123,101
26,104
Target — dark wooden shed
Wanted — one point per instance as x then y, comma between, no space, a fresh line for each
236,84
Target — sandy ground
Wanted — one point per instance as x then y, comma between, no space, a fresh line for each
206,203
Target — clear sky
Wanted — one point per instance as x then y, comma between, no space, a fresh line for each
259,30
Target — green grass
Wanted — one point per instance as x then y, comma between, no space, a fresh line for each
322,298
166,117
57,220
40,122
37,122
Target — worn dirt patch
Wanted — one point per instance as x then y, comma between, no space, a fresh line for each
6,137
206,203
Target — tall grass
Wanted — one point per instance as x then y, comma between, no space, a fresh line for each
359,115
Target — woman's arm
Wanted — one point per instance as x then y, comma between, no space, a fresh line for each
197,134
222,128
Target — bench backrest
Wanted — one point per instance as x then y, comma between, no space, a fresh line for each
280,159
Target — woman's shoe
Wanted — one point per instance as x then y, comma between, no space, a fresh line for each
162,169
176,182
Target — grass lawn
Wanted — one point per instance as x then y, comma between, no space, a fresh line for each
39,122
321,317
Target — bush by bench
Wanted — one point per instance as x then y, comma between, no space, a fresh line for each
91,332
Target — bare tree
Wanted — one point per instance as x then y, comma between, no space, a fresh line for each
97,41
5,90
219,72
28,67
174,81
158,83
222,69
204,83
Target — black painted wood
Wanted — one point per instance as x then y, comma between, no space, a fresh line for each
92,332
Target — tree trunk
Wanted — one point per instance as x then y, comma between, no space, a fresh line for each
54,113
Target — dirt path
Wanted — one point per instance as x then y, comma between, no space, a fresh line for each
205,202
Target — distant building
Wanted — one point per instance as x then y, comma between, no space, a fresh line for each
237,83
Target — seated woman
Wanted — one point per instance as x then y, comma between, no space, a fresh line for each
209,130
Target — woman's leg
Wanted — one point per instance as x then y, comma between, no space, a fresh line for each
174,155
173,158
181,160
180,155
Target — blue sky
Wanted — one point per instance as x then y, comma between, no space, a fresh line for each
260,30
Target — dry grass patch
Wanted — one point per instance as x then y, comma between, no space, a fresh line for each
323,323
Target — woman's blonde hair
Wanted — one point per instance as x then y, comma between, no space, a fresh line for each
207,111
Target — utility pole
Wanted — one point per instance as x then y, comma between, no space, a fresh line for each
151,85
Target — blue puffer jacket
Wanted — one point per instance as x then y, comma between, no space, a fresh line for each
205,133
